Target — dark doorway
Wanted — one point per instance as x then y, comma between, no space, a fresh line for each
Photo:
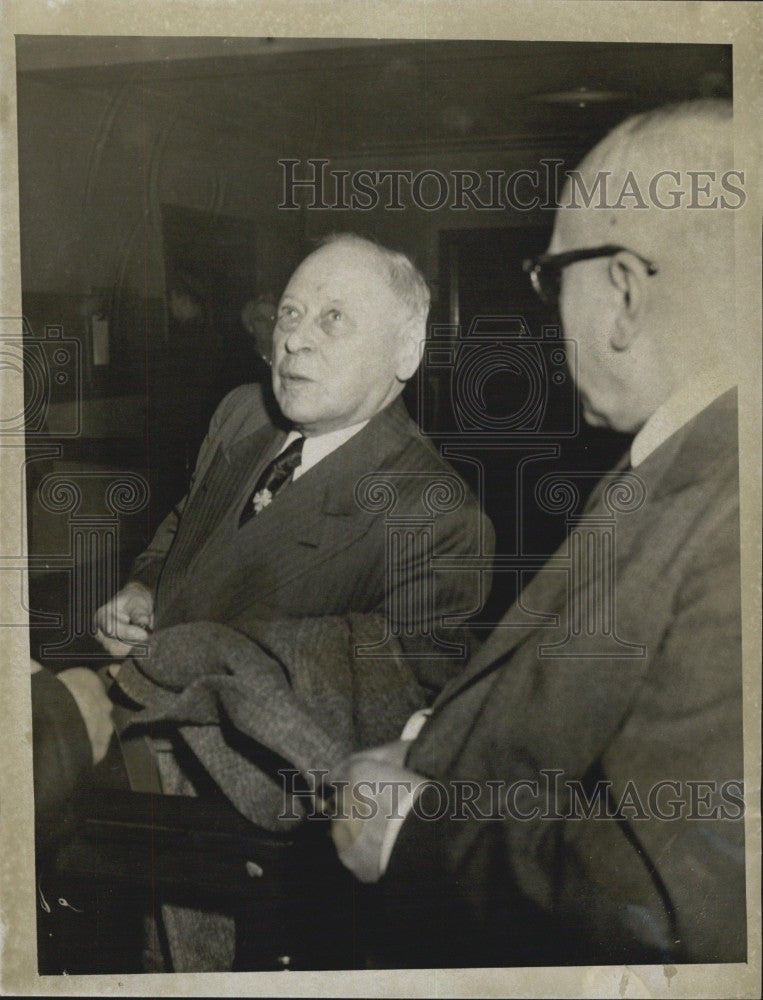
210,267
500,395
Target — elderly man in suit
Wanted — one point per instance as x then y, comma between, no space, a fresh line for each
349,334
331,514
575,795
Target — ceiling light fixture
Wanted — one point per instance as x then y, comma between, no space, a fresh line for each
582,97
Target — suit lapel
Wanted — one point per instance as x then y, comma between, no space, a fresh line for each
234,476
684,461
546,598
318,515
311,520
226,481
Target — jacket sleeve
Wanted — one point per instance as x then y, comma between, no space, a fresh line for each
427,608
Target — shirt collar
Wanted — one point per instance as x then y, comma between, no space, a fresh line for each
693,396
318,447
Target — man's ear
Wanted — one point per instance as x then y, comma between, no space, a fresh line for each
409,354
627,274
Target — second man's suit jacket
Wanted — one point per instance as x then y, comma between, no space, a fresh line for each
634,716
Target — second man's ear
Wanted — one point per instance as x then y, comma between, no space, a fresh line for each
626,272
411,349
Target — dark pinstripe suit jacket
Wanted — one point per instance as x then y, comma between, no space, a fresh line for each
315,551
316,554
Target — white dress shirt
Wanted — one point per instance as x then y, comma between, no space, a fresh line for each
318,447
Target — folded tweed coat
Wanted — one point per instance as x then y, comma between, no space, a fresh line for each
285,694
288,687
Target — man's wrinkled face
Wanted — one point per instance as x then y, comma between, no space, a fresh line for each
337,340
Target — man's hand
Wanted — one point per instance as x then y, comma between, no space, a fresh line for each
94,706
373,790
125,620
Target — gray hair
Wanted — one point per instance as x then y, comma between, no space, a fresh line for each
403,277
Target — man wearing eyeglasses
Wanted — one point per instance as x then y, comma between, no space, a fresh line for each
576,795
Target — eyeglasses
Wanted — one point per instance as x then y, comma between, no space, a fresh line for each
546,270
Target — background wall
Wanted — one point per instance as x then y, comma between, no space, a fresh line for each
104,142
118,135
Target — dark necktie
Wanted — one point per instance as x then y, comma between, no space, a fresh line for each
274,477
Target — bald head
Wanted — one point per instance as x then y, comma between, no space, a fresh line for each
651,180
660,186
